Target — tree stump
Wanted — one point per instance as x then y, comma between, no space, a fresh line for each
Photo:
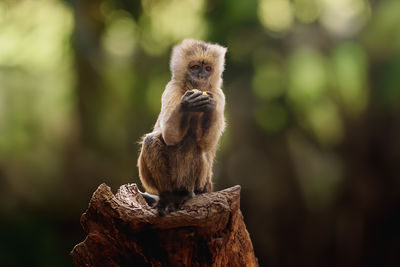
122,230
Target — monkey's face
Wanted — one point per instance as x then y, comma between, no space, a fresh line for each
199,72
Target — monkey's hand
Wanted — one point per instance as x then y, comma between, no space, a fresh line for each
210,106
193,101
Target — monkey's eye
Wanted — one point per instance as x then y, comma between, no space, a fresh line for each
208,68
195,67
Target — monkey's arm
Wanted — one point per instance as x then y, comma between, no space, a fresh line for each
213,123
176,110
175,113
173,121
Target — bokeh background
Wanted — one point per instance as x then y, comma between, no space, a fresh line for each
313,111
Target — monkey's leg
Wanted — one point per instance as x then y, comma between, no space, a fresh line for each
204,181
171,200
155,173
207,188
153,165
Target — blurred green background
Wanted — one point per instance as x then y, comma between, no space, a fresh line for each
313,112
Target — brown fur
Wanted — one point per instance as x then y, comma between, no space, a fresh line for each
179,153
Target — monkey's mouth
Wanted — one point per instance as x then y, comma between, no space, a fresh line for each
201,80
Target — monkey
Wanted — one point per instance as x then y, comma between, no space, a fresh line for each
176,158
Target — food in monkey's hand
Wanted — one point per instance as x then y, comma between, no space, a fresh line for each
198,91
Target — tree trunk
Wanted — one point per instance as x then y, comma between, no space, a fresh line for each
124,231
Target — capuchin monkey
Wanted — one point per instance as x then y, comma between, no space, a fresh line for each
176,158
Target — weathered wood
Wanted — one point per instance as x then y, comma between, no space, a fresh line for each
122,230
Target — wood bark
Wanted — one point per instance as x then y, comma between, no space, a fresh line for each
122,230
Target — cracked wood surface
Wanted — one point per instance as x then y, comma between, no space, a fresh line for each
122,230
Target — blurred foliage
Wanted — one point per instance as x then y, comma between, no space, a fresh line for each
313,111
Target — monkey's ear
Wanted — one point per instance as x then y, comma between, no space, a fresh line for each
177,61
224,50
221,52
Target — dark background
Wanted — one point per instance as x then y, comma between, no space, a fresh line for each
313,112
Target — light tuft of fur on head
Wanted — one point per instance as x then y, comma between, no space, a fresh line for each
189,50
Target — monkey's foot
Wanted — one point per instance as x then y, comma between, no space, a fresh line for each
171,201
